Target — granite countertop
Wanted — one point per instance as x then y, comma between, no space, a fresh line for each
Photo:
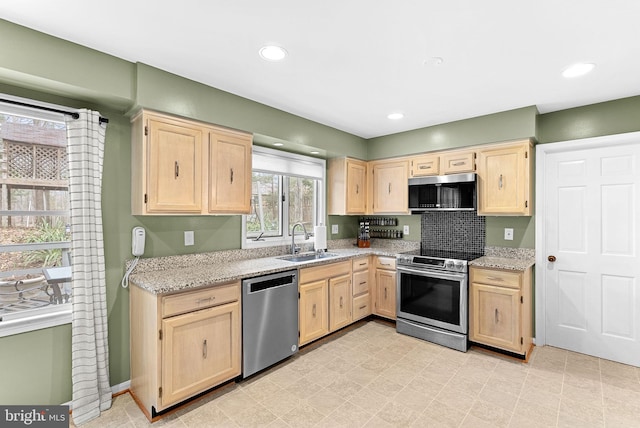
519,259
175,273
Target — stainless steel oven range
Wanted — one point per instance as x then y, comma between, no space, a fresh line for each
432,296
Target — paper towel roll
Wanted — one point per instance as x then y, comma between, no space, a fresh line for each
320,234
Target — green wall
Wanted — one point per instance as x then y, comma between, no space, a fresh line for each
32,68
37,364
612,117
35,367
504,126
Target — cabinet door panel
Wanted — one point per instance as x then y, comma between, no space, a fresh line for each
199,350
229,173
174,171
390,187
313,311
356,187
340,302
504,180
386,293
495,316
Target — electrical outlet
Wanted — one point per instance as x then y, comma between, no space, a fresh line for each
508,234
334,229
405,229
188,238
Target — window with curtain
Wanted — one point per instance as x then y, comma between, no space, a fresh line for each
35,288
287,188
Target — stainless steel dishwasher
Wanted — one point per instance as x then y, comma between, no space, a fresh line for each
269,320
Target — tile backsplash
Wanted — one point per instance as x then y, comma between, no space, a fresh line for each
453,231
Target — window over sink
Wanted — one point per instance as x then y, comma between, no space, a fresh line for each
287,188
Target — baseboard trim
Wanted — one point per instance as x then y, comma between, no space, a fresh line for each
116,390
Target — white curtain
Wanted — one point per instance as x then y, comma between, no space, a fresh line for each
89,341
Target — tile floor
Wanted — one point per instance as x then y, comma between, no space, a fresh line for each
370,376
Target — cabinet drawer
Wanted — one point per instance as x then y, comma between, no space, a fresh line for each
200,299
425,165
500,278
322,272
360,282
361,306
360,264
386,263
453,163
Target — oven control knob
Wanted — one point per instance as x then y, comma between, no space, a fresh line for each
448,264
460,266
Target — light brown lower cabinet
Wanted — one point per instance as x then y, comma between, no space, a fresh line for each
385,287
183,344
199,351
339,302
361,284
325,300
500,313
313,312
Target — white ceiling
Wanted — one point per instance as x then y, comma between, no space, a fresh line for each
352,62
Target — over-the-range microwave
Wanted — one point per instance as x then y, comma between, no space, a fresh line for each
455,192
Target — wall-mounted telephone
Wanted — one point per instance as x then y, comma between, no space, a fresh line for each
137,249
137,241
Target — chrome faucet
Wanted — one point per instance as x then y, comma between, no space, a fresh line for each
294,249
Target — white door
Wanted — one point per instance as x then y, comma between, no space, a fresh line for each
591,225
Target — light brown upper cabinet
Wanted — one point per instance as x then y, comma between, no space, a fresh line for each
347,186
389,186
424,165
505,179
229,172
456,162
179,166
166,166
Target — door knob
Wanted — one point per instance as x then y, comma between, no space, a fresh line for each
551,258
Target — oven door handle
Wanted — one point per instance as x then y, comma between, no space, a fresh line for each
436,274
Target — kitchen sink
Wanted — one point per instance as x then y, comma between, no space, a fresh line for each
305,257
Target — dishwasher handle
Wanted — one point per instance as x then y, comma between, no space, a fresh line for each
273,281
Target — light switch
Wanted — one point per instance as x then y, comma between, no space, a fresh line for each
188,238
334,229
405,229
508,234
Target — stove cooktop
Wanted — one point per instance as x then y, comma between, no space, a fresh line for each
455,261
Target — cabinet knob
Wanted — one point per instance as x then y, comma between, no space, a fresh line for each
551,258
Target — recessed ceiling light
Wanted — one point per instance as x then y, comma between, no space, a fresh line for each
577,70
278,144
273,53
395,116
315,152
434,60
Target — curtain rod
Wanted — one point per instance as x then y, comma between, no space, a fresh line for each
55,110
